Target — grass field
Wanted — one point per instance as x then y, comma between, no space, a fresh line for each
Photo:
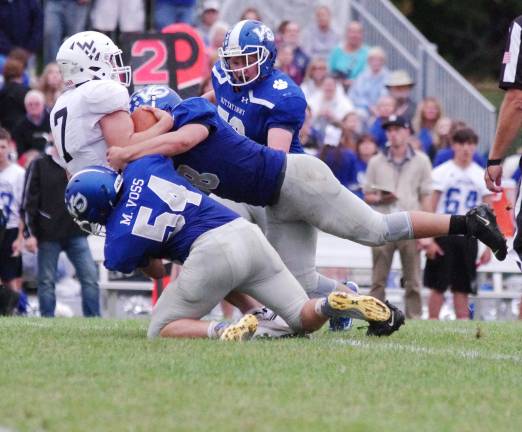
103,375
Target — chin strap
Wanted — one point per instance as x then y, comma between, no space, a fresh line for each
91,228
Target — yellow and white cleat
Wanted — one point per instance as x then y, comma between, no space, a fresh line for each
357,306
242,330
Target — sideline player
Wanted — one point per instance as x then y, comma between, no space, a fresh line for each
293,187
92,112
509,125
451,261
151,212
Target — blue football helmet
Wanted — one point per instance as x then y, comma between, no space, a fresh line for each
158,96
247,38
91,195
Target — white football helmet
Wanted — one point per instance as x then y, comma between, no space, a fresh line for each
91,55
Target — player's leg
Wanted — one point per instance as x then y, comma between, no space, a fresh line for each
464,275
411,272
382,257
273,285
437,277
10,272
310,192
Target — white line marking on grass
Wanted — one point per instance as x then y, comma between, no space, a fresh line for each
466,354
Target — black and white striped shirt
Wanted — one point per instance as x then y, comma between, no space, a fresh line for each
511,68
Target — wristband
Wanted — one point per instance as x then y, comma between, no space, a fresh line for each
493,162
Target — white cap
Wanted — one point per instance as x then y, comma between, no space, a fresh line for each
210,5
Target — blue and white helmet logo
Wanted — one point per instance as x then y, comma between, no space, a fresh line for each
77,205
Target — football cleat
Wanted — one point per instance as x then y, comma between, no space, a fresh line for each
386,328
482,224
242,330
343,304
343,323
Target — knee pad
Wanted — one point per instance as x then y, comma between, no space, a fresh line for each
398,226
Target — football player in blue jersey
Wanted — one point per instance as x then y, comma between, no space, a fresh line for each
150,213
295,188
268,107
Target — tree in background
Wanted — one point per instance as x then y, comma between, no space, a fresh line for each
470,34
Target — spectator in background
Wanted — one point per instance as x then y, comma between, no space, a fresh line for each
23,57
290,36
398,179
452,261
308,135
11,188
329,106
352,127
369,86
209,16
216,36
348,60
400,86
251,13
52,230
446,154
34,131
286,63
51,84
321,38
12,109
428,113
21,26
341,160
385,107
126,15
365,149
316,73
62,18
167,12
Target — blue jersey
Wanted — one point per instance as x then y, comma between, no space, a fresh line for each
226,163
159,215
276,101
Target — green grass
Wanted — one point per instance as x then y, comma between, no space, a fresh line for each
103,375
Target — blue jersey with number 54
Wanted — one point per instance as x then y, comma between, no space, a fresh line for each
159,215
274,102
226,163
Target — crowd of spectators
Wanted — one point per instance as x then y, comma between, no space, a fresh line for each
349,88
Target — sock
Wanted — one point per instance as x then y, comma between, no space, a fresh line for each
216,328
457,225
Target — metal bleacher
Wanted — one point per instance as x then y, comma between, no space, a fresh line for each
406,47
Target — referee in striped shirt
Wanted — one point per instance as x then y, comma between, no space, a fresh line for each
509,124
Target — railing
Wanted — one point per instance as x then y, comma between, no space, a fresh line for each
408,49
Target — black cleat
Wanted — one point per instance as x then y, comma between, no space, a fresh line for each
386,328
482,224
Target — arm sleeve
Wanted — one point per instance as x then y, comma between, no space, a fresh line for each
31,197
437,180
195,110
288,114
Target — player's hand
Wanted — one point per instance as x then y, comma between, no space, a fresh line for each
432,249
161,116
493,178
117,157
484,258
31,244
16,247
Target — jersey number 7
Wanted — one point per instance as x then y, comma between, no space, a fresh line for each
62,114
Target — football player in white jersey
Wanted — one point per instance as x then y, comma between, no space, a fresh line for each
93,112
11,189
458,186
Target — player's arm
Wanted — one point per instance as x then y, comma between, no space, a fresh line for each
429,203
169,144
210,96
509,124
154,269
118,129
279,139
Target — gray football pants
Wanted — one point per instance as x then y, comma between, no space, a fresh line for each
235,256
